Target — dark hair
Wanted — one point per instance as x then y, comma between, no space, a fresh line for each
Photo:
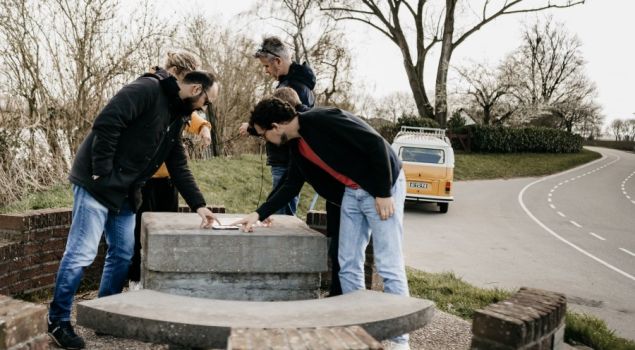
206,79
268,111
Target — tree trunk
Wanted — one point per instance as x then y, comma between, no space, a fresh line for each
441,95
418,91
487,115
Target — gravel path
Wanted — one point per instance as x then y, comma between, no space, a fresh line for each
445,331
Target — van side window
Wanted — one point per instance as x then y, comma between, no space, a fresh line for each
422,155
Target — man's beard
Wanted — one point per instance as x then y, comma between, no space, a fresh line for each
284,139
187,107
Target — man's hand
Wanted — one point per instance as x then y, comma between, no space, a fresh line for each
248,222
207,216
242,130
385,207
206,136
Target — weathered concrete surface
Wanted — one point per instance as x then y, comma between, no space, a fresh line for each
236,286
195,322
173,242
282,262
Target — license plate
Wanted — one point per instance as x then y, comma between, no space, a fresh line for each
423,185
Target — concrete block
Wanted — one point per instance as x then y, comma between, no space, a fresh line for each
20,321
173,242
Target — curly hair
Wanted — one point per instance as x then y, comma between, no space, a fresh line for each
271,110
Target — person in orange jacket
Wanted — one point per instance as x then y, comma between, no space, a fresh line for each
159,194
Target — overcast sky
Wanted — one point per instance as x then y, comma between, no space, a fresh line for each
605,27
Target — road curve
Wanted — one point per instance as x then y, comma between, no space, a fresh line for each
572,232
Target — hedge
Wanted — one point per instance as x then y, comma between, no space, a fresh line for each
495,139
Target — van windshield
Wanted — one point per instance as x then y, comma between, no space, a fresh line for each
422,155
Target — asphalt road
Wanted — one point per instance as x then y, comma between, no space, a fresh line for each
572,232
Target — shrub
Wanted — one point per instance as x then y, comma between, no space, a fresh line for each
496,139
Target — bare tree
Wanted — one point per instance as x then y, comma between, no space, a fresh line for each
317,40
242,82
629,129
549,79
394,106
400,19
618,128
488,88
61,60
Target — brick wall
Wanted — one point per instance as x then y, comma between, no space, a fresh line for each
531,319
334,338
31,246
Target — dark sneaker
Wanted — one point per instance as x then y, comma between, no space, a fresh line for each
64,336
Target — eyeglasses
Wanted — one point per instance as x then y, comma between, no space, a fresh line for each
263,136
262,50
207,100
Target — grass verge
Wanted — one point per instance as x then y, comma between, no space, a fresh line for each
452,295
476,166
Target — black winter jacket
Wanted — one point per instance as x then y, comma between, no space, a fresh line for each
138,130
301,79
349,146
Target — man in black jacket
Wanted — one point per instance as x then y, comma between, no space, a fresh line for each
350,164
138,130
275,57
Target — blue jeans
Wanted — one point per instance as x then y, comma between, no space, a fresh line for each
277,174
358,223
90,219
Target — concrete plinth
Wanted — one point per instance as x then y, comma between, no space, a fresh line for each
203,323
282,262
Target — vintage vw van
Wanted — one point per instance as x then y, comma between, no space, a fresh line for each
428,162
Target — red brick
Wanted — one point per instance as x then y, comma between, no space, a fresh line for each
14,222
500,328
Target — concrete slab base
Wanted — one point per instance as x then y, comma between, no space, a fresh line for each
197,322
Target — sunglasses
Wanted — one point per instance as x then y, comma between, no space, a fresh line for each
262,50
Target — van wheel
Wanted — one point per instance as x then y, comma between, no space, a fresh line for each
443,207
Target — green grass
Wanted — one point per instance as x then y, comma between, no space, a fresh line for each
476,166
454,296
240,183
451,294
236,182
58,196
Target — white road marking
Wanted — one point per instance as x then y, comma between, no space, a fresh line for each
560,213
552,206
627,251
575,224
557,236
597,236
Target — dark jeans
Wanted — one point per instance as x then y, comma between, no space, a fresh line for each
333,231
278,174
159,194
